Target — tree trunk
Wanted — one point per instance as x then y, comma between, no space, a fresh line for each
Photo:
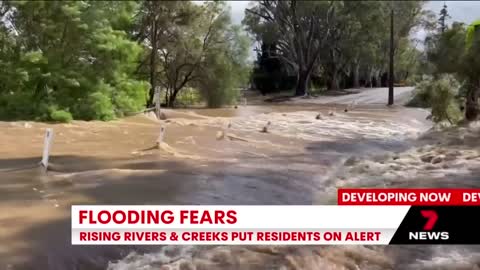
171,98
356,76
302,83
471,105
373,79
334,80
153,56
378,79
167,96
391,66
369,81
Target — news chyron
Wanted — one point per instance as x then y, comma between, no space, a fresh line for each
361,217
435,216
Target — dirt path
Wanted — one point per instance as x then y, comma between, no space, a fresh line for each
365,96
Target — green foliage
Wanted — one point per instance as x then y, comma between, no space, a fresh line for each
130,96
225,70
200,50
218,86
340,41
422,96
469,38
72,55
188,97
98,106
61,116
457,51
413,80
439,94
444,105
445,51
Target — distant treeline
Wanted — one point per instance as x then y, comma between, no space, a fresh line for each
271,75
333,44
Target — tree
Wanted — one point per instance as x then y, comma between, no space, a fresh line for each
456,51
71,56
443,18
341,41
225,70
443,50
407,60
471,71
155,27
186,35
299,28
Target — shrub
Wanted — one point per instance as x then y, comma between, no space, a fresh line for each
61,116
422,95
445,106
97,105
189,96
130,96
440,94
413,80
100,107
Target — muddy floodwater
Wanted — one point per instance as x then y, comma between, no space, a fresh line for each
208,156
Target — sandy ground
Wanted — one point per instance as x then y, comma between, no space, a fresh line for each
220,157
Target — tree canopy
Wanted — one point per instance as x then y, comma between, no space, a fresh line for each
184,44
103,59
342,41
69,56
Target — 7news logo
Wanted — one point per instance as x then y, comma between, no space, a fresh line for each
428,233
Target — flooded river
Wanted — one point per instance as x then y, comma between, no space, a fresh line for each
208,156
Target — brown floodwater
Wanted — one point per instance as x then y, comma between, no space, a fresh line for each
200,162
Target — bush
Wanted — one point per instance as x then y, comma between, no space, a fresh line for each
100,107
19,106
440,94
130,96
97,105
61,116
187,97
422,96
445,106
413,80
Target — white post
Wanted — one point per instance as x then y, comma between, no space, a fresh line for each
46,147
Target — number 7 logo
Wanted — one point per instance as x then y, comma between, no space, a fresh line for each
431,217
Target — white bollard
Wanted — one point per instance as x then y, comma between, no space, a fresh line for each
46,147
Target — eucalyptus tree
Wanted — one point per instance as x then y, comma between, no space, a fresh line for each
300,29
180,38
337,40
